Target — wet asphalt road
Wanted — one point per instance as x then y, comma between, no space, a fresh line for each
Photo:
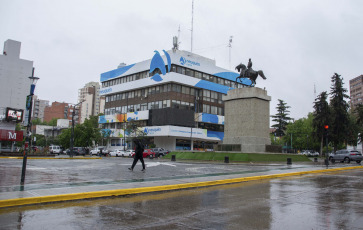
60,173
325,201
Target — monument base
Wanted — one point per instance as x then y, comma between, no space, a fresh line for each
247,119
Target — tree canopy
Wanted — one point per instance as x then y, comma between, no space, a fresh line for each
339,128
84,134
281,118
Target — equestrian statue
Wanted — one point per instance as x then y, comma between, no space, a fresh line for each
249,73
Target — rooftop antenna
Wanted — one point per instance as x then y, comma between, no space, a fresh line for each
230,48
179,33
176,41
191,46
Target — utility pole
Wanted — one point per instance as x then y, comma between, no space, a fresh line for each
29,105
191,45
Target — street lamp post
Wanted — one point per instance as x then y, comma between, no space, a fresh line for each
29,105
72,132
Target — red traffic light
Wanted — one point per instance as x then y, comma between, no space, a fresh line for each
326,126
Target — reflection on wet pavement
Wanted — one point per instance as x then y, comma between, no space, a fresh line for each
322,201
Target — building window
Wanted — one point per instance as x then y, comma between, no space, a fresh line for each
180,70
143,107
166,104
189,72
206,108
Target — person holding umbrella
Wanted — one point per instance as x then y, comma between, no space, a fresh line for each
139,150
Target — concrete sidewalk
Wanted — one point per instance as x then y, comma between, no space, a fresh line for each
62,179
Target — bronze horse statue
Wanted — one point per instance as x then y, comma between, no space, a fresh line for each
248,72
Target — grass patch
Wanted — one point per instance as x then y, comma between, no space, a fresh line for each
236,157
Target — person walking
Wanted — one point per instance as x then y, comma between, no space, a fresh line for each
139,150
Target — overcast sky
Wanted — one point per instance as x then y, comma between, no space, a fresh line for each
296,43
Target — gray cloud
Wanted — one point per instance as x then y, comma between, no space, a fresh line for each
296,43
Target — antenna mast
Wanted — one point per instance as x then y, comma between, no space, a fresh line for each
179,33
230,48
191,46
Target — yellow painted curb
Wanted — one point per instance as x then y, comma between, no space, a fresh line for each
52,158
122,192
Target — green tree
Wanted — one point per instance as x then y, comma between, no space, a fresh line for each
133,131
281,118
359,121
321,117
37,121
53,122
65,138
353,130
300,133
84,134
339,128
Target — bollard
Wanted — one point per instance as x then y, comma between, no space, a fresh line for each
326,161
172,157
315,159
289,161
226,159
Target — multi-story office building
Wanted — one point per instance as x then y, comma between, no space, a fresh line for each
176,99
38,108
356,91
89,95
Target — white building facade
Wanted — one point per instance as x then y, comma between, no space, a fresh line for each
175,98
14,88
14,76
90,95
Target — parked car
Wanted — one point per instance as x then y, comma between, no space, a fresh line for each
310,153
116,152
77,151
160,151
128,153
55,149
97,151
121,153
148,153
346,156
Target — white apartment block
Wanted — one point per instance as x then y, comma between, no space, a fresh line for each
14,76
90,95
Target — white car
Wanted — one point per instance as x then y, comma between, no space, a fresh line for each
97,150
128,153
116,152
121,153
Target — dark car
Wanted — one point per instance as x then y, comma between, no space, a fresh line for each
77,151
160,151
346,156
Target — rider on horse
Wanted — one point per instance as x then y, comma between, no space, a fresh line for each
249,72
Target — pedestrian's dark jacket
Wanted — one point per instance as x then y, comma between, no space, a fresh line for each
139,150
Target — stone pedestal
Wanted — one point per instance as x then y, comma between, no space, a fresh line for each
247,119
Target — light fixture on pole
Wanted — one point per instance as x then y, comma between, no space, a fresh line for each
29,105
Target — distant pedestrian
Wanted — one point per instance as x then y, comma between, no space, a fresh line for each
139,150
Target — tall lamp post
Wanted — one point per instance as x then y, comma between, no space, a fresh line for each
29,105
72,134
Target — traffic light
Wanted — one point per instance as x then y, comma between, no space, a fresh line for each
326,129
